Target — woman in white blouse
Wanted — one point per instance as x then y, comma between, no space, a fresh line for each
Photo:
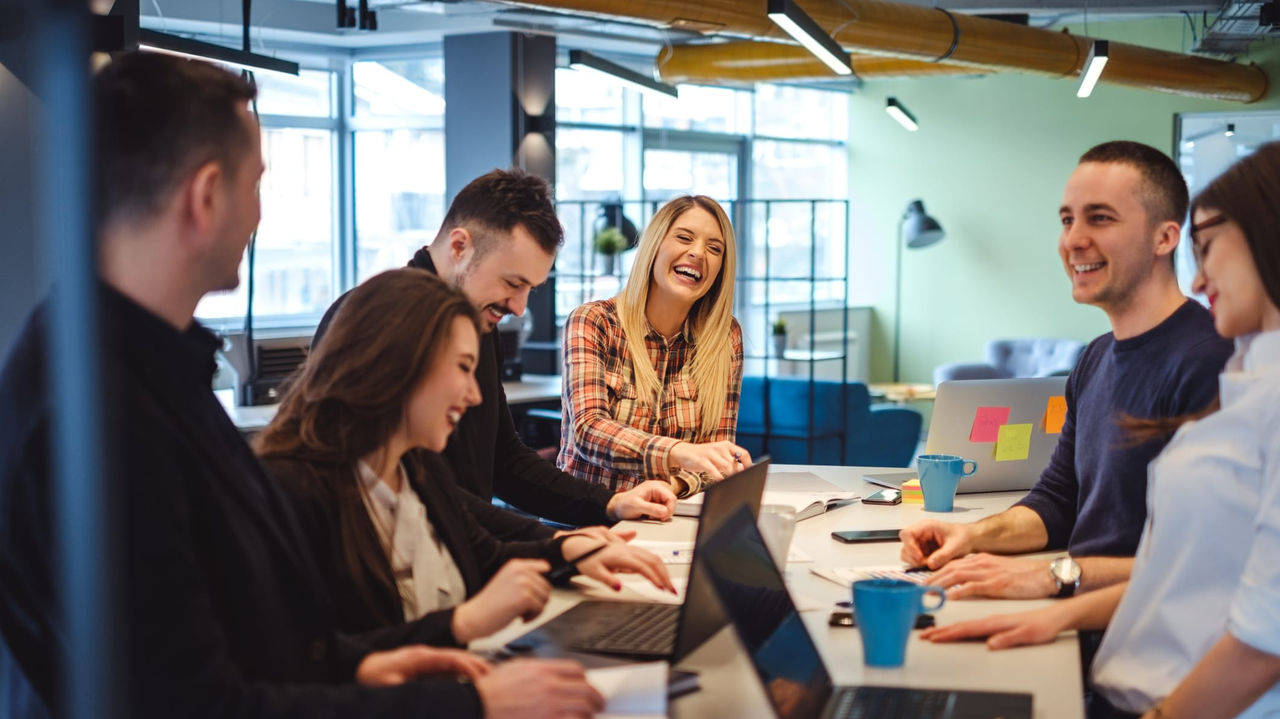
1196,631
354,447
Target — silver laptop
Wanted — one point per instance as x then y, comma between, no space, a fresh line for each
951,430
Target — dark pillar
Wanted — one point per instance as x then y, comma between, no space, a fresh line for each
500,112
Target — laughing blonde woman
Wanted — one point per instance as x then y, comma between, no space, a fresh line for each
653,376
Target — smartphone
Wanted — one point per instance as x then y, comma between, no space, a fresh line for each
874,535
884,496
845,619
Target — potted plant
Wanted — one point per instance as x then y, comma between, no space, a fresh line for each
609,243
779,337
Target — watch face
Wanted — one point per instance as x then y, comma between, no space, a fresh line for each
1066,570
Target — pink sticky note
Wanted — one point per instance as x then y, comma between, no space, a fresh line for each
986,423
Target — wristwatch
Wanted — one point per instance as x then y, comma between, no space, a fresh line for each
1066,575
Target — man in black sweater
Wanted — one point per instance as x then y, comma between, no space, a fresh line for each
1121,216
497,242
222,611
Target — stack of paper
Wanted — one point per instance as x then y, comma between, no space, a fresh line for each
847,576
806,504
631,691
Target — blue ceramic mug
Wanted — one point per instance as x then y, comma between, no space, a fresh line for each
939,476
887,611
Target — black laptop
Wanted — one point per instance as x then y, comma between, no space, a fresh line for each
755,599
648,630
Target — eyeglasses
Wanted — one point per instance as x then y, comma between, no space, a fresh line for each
1197,248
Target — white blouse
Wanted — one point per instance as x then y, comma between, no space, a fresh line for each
1209,559
426,575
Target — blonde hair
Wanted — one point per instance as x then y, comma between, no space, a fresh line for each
710,319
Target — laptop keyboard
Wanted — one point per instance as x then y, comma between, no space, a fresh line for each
892,703
647,629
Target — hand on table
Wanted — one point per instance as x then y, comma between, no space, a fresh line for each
519,589
397,666
650,499
715,459
932,543
1004,631
538,689
988,575
617,557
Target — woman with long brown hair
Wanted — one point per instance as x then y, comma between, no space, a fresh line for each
1196,630
354,445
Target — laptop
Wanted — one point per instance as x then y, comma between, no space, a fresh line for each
755,599
952,424
647,630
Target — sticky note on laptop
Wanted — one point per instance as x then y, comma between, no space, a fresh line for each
987,422
1055,415
1013,442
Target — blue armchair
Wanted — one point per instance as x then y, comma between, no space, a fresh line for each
881,436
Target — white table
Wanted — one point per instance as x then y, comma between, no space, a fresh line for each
728,685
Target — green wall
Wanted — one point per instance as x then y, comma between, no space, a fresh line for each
990,161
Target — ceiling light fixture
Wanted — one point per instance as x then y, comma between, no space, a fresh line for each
802,28
186,47
583,60
1093,67
1231,129
901,114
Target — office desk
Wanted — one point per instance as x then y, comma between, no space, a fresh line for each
531,388
728,685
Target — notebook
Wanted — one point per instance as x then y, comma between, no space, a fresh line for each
794,677
967,417
650,630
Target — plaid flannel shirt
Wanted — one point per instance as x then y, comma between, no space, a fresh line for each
610,435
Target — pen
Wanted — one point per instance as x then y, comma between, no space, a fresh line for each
569,568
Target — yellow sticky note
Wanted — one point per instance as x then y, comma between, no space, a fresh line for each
1055,414
1013,442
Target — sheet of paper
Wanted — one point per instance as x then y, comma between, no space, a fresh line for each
986,423
1055,415
631,690
1013,442
846,576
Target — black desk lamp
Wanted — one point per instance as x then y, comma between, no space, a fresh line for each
917,230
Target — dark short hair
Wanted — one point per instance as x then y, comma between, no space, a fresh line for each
1164,194
499,200
1247,195
159,118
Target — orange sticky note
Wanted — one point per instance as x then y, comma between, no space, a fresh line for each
1055,415
986,423
1013,442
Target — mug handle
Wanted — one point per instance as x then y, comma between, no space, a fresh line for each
965,471
932,589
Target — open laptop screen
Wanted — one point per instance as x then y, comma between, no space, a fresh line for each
756,601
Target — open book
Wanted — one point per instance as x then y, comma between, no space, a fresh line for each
806,504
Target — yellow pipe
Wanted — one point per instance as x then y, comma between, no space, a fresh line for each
746,61
934,34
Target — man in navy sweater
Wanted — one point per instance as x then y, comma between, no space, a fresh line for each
1121,215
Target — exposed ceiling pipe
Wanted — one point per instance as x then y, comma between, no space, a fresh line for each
747,61
935,34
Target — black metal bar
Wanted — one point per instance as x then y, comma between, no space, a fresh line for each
813,317
246,8
844,334
768,332
82,518
187,46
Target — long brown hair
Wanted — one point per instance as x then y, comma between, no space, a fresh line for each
349,396
1245,194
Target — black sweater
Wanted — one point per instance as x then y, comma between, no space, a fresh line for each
489,460
362,603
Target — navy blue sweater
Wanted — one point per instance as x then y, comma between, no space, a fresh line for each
1093,495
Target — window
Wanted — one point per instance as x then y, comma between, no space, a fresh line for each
399,160
294,247
781,144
